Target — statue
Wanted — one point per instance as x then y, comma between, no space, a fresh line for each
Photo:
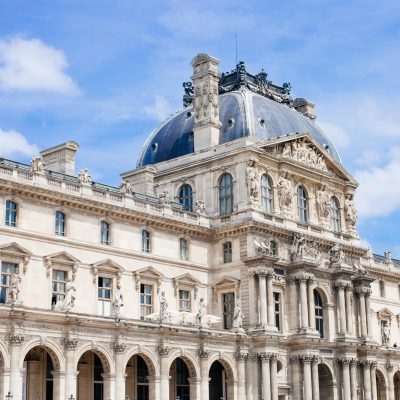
118,301
14,286
264,247
303,248
322,199
125,187
336,255
350,211
37,166
202,312
199,207
69,300
84,176
163,307
285,192
237,317
388,256
385,334
189,94
253,180
165,197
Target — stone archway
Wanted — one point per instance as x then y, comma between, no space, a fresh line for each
93,376
181,384
221,382
325,380
380,385
396,385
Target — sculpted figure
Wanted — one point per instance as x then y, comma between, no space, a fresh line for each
69,300
37,166
84,176
303,248
336,255
385,334
202,312
198,102
165,197
118,301
388,256
163,307
285,192
350,210
237,317
125,187
14,286
199,207
253,180
322,199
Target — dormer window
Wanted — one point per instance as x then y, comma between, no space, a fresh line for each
186,197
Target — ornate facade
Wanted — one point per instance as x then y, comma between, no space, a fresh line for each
227,265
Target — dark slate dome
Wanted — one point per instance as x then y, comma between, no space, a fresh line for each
242,113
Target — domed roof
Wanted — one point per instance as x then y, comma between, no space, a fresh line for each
242,113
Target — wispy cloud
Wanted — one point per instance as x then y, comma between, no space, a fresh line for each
31,65
15,144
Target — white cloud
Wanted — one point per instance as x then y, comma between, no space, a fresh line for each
335,133
12,143
379,190
160,109
31,65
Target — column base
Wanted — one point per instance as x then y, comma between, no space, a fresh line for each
308,333
345,337
266,329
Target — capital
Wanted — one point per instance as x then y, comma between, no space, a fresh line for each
306,359
240,356
16,338
204,354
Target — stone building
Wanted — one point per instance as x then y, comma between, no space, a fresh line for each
227,265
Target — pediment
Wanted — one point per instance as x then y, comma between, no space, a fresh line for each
148,273
14,253
108,264
61,257
187,279
228,281
385,312
302,149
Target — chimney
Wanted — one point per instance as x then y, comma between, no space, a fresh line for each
61,158
305,107
206,102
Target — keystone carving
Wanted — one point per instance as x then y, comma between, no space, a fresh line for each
70,343
16,338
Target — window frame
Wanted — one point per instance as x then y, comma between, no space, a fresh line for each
107,224
11,213
187,300
183,250
303,212
319,313
225,312
5,287
145,241
335,214
60,222
278,310
58,293
143,295
185,197
227,253
225,194
267,193
104,304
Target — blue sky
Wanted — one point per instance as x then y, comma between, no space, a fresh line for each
106,73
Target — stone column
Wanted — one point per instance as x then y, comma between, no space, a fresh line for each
204,383
307,376
262,297
295,377
119,349
341,308
252,376
252,299
270,300
374,392
389,368
293,317
266,376
363,321
346,378
349,310
71,373
241,367
353,378
274,377
163,352
367,380
304,306
16,340
315,378
368,311
311,312
108,385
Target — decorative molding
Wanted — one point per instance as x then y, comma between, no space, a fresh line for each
119,347
70,343
16,338
163,350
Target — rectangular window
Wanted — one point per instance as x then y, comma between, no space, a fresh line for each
60,224
104,295
105,233
277,310
11,213
183,249
184,300
58,282
228,301
145,241
7,270
227,249
382,288
146,300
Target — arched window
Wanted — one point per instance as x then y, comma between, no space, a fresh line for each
225,194
266,194
145,241
302,204
11,213
319,313
105,232
186,197
60,223
335,214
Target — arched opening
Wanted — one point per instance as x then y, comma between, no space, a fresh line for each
380,385
319,313
179,386
325,382
302,204
217,379
137,382
185,196
396,384
92,382
39,380
225,194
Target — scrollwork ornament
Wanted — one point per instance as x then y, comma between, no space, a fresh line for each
203,354
16,338
120,347
163,350
70,343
